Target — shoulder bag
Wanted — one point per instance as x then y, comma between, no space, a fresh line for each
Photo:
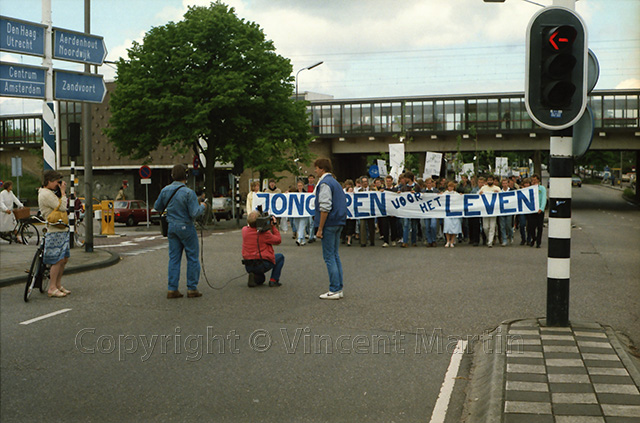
57,217
164,224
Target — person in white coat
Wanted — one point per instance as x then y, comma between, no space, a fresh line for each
7,201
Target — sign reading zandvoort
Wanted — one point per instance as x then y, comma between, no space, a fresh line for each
78,47
370,204
23,37
22,80
75,86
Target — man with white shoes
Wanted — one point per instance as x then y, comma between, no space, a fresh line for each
330,219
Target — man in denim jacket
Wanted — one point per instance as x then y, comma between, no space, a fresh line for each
182,211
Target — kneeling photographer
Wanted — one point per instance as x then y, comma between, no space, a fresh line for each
258,239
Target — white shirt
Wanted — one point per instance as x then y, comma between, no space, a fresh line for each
7,200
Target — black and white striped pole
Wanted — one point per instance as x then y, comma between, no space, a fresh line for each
73,144
559,253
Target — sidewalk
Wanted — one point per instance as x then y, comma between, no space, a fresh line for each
15,260
525,372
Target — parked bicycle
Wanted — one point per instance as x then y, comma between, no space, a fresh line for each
38,272
26,229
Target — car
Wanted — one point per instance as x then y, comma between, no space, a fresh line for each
222,208
576,181
132,212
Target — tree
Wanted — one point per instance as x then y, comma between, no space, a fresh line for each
211,76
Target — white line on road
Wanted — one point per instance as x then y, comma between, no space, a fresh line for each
46,316
442,403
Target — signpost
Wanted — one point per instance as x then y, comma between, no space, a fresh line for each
22,80
145,179
75,86
17,36
78,47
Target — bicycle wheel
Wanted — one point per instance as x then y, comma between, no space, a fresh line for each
35,275
43,279
79,234
29,234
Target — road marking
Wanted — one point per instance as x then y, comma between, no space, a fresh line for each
46,316
442,403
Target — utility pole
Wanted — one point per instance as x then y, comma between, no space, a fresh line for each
88,158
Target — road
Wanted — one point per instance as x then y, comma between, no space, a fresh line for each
123,352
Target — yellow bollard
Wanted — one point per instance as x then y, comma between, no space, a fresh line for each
108,218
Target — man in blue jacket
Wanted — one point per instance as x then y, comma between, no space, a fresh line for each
330,218
182,207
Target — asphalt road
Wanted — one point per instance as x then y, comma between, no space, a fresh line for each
126,353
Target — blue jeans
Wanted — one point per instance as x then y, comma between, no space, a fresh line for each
183,237
409,225
330,244
429,229
310,228
506,228
266,265
301,227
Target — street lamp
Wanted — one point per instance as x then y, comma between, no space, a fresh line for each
307,68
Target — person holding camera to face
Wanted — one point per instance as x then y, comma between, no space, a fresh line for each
52,198
183,208
258,239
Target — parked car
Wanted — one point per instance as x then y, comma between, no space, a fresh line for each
576,181
222,208
132,212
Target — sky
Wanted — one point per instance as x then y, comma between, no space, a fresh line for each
370,48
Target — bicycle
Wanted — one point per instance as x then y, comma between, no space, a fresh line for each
29,234
38,272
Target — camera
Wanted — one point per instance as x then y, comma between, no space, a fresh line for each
58,191
264,221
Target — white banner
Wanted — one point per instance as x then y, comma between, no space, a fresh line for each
502,166
368,204
396,159
432,165
382,168
467,169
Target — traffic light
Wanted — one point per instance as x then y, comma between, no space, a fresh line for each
556,69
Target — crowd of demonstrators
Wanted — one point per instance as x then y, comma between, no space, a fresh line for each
407,232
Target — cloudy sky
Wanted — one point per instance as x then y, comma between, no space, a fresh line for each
370,48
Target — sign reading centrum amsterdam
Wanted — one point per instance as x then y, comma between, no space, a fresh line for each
22,80
22,37
74,86
78,47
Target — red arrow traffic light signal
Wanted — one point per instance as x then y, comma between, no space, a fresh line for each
561,37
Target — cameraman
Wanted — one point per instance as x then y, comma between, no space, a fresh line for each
257,251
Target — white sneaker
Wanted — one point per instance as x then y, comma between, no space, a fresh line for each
393,243
332,295
385,245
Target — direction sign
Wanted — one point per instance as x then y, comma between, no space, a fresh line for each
78,47
145,172
23,37
75,86
22,80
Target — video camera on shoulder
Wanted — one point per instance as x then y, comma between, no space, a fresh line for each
264,221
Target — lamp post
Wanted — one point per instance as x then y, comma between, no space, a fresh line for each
307,68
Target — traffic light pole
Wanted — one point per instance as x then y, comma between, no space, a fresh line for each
559,253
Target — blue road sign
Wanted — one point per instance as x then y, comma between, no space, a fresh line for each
75,86
78,47
22,81
23,37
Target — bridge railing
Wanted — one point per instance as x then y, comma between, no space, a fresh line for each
613,109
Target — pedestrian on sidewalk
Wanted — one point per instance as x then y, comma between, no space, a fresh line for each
183,208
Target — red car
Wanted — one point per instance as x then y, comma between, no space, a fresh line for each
131,212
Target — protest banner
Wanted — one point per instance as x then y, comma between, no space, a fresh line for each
370,204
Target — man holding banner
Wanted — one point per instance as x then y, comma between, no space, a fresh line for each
330,218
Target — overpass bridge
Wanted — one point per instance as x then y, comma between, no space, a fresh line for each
433,123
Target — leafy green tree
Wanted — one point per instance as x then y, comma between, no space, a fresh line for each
211,76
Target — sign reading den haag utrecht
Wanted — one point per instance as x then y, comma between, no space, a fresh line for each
370,204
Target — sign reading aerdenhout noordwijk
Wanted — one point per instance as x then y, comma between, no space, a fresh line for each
78,47
370,204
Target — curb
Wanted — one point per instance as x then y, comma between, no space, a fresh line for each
113,259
